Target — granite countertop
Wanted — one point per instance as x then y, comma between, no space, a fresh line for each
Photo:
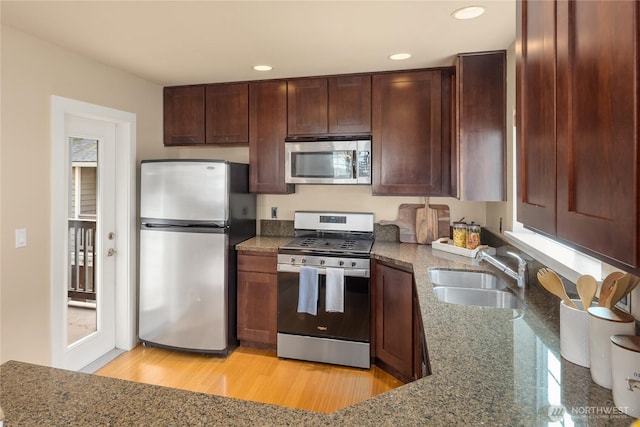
498,367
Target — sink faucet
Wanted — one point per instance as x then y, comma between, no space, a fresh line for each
520,276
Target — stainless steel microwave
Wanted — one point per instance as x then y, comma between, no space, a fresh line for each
328,162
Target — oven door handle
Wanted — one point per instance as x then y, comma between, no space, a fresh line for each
351,272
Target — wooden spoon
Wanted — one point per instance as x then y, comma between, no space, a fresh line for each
624,285
607,287
552,283
587,287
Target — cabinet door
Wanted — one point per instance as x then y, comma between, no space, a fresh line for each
408,125
257,299
227,113
267,131
597,127
482,100
536,109
394,319
307,106
183,115
257,307
350,104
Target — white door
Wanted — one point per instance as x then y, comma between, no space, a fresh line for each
90,295
93,233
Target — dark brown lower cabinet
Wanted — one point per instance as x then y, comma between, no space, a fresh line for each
257,298
398,341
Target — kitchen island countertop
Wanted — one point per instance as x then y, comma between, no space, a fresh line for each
498,367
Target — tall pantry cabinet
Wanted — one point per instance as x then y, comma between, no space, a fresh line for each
577,119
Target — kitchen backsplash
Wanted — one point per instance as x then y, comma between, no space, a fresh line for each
276,228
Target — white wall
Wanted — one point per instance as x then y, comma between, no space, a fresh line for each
33,71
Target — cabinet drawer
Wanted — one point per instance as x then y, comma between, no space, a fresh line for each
257,261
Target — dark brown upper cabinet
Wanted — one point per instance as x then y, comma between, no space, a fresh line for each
411,135
332,105
481,89
267,131
227,113
350,104
184,115
206,114
578,125
536,116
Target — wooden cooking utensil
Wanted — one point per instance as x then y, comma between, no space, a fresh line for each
632,286
552,283
607,287
624,285
426,224
587,287
620,283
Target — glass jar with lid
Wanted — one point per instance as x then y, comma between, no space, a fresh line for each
473,236
460,234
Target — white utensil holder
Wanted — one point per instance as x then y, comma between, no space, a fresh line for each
625,373
603,323
574,333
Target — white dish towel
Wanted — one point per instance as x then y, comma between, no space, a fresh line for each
308,291
334,299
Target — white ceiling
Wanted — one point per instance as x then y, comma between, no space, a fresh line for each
187,42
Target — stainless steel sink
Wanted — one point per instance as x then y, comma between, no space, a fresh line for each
466,279
480,297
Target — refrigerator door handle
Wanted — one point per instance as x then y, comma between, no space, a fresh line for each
201,225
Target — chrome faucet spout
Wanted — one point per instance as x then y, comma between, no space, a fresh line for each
520,276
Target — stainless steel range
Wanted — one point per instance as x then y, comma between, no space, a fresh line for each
324,289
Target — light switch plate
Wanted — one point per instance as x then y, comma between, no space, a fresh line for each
21,237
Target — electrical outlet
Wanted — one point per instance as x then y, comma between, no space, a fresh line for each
21,237
274,213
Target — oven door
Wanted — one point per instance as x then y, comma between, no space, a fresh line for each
351,325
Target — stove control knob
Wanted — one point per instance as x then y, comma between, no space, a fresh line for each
304,260
353,263
321,262
341,263
293,260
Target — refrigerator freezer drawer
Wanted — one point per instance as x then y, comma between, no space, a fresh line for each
183,290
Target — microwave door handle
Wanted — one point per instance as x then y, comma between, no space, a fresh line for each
354,164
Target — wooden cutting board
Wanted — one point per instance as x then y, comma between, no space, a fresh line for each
426,224
406,222
432,222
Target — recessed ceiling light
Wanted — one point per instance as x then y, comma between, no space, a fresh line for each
263,68
400,56
468,12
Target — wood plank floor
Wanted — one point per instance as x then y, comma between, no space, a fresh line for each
253,374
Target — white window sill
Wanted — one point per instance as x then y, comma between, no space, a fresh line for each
565,261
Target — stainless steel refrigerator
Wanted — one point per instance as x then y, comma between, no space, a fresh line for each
192,214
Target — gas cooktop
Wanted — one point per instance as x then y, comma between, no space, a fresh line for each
332,233
328,244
